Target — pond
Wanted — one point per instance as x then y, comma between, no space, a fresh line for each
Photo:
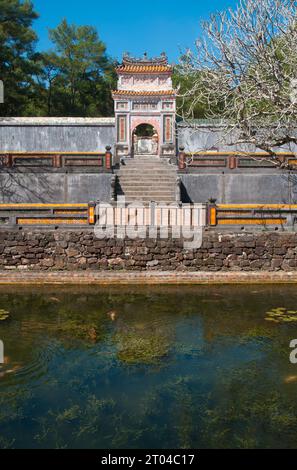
148,367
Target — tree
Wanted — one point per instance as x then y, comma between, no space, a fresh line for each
17,55
186,106
79,75
244,70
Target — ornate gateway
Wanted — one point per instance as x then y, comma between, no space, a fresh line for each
145,107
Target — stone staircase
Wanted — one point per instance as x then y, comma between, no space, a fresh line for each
146,178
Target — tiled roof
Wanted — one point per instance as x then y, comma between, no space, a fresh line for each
146,93
144,69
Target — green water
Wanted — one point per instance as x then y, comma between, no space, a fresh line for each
180,367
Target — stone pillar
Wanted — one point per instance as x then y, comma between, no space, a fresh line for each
181,158
8,161
91,213
232,162
108,158
57,161
212,212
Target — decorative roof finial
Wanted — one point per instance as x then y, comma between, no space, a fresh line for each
145,59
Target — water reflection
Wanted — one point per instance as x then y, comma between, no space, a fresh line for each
147,367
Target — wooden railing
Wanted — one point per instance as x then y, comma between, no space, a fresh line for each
101,160
252,214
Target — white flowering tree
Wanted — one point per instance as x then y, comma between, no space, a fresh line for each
243,70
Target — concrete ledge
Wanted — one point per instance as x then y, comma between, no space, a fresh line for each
147,277
56,121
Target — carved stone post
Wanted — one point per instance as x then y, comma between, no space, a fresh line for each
91,213
8,161
57,160
108,158
232,162
212,212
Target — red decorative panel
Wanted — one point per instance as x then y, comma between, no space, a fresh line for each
122,134
168,131
216,162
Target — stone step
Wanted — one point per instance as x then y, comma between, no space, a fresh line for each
148,200
143,163
147,184
152,196
154,190
145,178
145,187
131,187
151,173
147,162
143,158
148,194
138,189
148,167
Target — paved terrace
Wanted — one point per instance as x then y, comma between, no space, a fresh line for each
145,278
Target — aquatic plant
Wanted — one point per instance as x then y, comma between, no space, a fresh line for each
281,315
148,368
4,314
136,349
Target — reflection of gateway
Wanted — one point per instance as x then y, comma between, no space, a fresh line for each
145,106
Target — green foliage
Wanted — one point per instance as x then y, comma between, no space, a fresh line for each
73,79
78,74
281,315
187,103
18,64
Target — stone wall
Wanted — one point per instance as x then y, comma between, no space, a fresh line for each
57,186
81,186
245,187
25,185
56,134
201,135
79,250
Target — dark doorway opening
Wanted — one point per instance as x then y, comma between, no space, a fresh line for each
145,140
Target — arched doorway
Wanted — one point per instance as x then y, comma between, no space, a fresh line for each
145,140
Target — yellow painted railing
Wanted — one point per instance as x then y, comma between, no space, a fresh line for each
34,214
46,214
251,214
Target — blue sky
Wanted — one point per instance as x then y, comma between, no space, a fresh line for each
129,25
